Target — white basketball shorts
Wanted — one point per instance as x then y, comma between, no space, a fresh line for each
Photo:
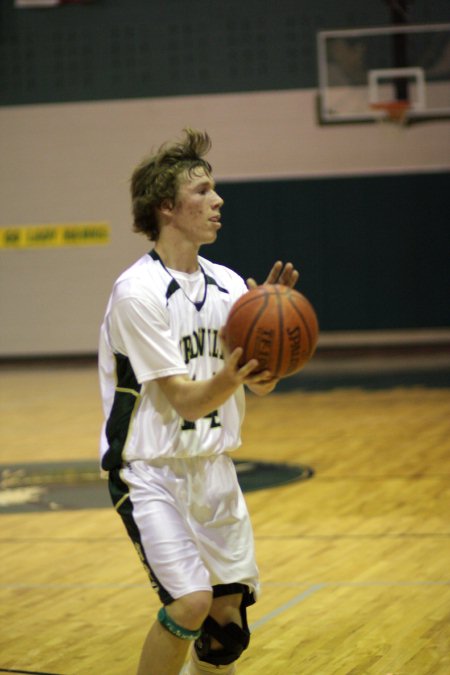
189,522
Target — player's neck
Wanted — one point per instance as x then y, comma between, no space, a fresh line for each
181,258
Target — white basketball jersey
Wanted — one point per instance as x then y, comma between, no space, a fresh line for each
161,322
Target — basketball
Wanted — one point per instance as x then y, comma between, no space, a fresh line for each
276,325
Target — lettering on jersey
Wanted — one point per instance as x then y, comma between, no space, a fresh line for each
201,342
213,416
187,425
215,420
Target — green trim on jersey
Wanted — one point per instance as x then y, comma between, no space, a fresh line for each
126,400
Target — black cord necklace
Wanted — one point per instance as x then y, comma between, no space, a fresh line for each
175,286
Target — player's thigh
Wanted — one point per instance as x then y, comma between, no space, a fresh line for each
165,538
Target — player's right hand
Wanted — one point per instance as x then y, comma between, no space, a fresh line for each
240,372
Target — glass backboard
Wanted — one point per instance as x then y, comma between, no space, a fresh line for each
362,70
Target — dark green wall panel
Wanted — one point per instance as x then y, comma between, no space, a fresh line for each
114,49
374,252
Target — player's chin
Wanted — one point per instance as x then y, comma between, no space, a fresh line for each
211,236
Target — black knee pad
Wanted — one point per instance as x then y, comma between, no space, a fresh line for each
233,638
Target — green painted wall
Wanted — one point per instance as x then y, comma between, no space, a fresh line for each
373,252
112,49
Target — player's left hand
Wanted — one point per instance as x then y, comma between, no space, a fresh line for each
280,273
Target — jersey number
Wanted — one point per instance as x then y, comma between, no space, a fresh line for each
213,416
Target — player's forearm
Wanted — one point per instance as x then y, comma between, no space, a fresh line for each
193,399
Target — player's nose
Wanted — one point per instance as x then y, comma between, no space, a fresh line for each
217,200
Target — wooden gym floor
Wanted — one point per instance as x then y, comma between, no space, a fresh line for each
355,562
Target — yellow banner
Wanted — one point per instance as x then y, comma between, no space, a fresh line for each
53,236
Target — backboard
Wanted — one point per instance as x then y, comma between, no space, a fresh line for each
362,70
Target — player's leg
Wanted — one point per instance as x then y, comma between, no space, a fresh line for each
227,549
171,635
225,635
169,555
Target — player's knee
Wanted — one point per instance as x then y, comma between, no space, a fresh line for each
185,616
232,639
192,609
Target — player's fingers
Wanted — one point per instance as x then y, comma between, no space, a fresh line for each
261,378
245,370
274,273
279,274
289,275
248,368
234,357
233,362
286,272
264,376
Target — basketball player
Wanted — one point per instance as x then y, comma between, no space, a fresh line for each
173,403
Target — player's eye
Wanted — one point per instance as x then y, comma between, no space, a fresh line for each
205,189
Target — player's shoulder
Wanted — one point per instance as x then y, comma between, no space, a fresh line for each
141,280
223,276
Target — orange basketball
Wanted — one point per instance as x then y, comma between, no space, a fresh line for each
276,325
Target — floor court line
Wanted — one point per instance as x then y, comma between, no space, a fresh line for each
314,588
287,605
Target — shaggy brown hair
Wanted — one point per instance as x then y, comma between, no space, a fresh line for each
156,179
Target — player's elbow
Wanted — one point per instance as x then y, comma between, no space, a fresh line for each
188,414
186,409
178,391
191,409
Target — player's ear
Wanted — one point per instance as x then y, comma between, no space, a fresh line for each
166,207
